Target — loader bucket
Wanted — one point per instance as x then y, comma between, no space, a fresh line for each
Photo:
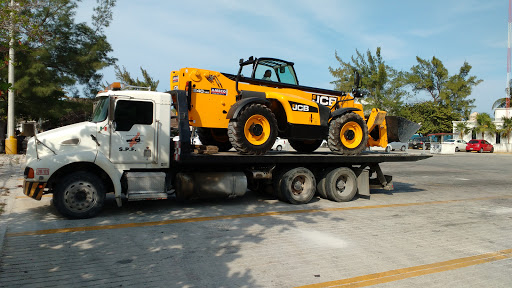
400,129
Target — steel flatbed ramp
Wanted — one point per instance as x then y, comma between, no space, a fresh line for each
294,157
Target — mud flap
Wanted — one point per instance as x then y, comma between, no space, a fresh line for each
400,129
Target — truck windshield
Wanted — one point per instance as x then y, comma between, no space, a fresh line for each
100,110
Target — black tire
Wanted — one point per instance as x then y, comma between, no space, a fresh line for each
402,148
340,184
262,133
354,138
481,150
320,184
388,149
492,150
457,149
279,148
305,146
214,136
276,185
79,195
298,185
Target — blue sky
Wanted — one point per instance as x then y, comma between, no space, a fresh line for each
162,36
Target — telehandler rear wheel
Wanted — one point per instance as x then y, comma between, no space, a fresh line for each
214,136
348,134
305,146
254,131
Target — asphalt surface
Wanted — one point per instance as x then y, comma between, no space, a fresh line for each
447,223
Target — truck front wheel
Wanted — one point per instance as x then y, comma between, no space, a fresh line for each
79,195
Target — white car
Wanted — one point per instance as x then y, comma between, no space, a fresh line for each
280,144
460,145
396,146
196,140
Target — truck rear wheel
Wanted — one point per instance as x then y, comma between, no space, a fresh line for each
305,146
348,134
297,185
214,136
254,131
79,195
340,184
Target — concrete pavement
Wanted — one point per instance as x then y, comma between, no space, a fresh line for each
446,224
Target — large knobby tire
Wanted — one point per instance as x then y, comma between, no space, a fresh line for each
254,131
214,136
298,185
305,146
348,134
79,195
340,184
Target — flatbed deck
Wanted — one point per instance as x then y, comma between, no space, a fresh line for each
228,158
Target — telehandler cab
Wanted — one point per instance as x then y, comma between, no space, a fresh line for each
249,113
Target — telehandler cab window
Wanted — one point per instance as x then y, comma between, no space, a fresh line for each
281,71
129,113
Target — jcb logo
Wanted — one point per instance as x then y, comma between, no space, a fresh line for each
300,107
324,100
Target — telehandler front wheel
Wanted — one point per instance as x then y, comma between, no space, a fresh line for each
254,131
348,134
214,136
305,146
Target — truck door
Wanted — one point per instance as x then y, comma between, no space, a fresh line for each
133,136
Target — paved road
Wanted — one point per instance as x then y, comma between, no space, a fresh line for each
446,224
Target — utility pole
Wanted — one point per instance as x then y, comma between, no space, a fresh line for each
11,142
507,99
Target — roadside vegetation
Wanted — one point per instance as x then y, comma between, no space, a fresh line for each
59,62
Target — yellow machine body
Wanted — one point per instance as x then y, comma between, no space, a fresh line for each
213,95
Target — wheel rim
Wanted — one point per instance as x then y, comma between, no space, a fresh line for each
257,129
351,134
341,184
298,185
80,197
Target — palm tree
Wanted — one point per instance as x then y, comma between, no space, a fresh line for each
462,128
506,130
500,103
484,124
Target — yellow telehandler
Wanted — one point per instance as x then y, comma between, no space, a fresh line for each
249,112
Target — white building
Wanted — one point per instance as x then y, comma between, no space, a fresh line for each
500,143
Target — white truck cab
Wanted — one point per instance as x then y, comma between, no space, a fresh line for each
129,130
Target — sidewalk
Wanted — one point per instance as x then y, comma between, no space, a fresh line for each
11,176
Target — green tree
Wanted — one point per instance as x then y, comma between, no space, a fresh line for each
506,129
502,102
383,84
51,70
484,125
125,77
462,128
433,77
433,117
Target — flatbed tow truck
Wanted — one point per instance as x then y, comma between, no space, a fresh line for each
127,149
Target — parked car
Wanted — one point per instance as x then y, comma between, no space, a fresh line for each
479,145
280,144
396,146
418,142
460,144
